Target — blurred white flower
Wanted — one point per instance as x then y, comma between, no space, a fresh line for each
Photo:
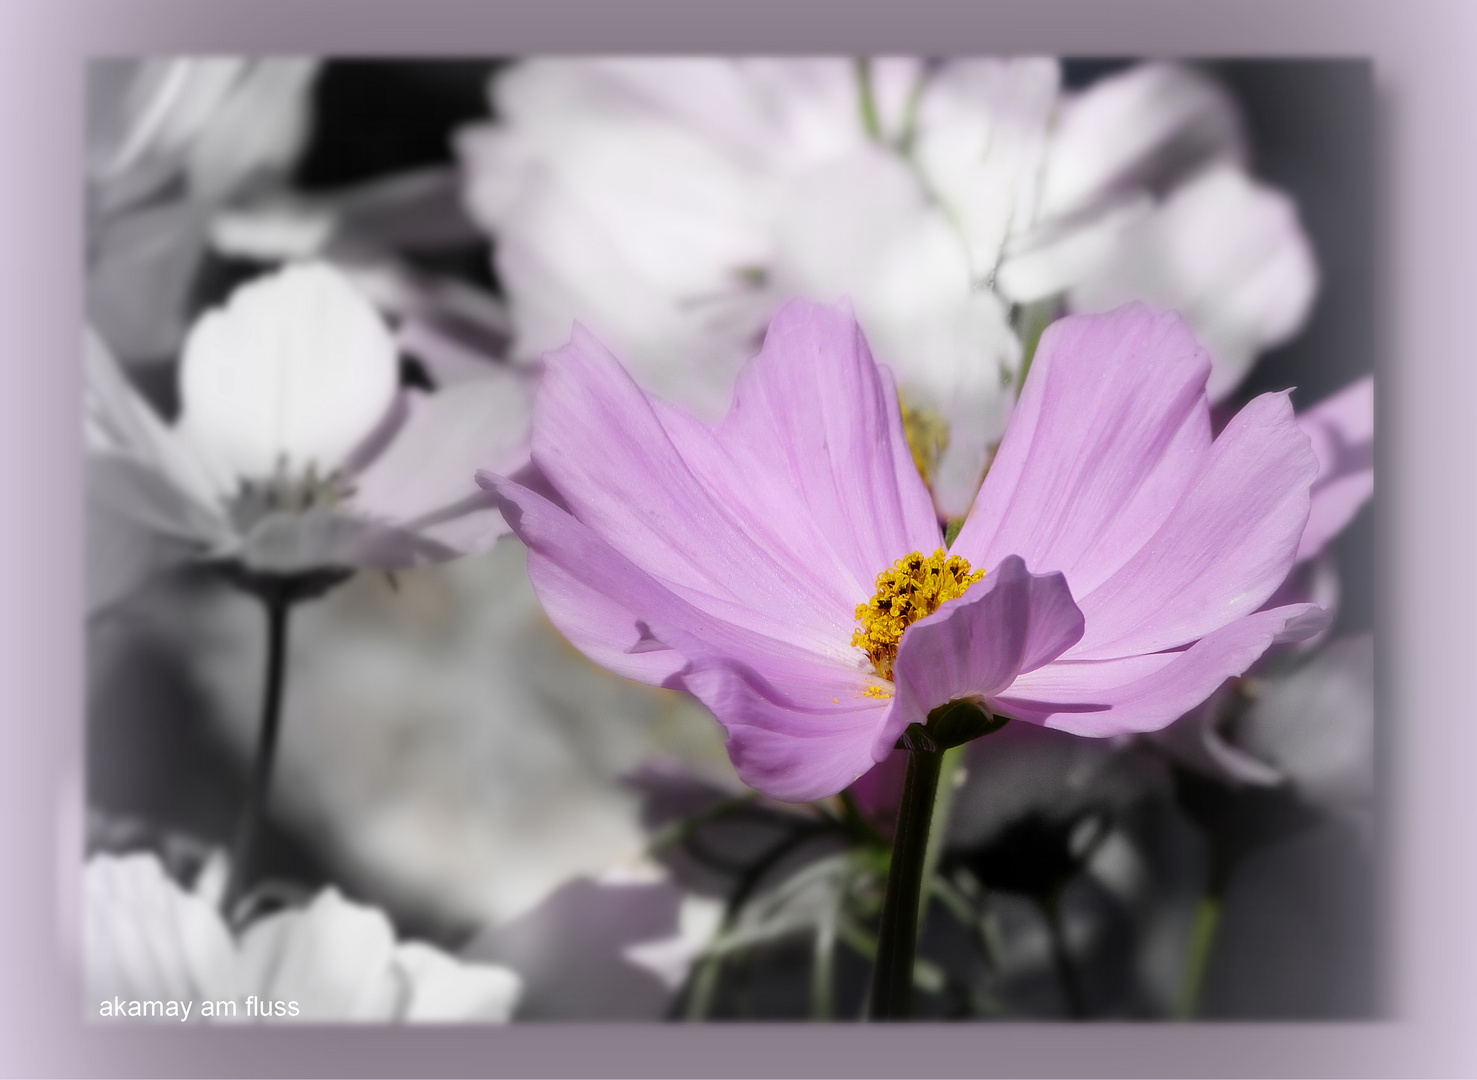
1228,253
669,205
148,939
295,450
219,124
171,144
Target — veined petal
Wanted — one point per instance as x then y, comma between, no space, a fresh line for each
815,407
781,517
1224,549
1342,430
806,741
294,372
800,725
863,227
1148,691
626,619
1111,429
974,647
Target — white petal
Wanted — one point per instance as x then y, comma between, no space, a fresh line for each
149,939
1228,253
444,989
982,137
1057,254
257,130
1136,128
333,957
294,372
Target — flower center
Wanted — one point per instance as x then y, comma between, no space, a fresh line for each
915,586
286,493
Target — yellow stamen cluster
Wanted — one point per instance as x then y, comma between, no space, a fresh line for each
915,586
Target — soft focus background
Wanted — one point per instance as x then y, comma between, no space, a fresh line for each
447,758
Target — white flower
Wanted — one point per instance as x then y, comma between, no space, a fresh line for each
148,939
220,123
296,450
1228,253
669,205
170,145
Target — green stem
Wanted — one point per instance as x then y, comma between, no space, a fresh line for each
897,944
1202,942
278,603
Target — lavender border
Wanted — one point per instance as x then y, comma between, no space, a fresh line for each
1425,81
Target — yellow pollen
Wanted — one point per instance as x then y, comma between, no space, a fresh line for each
928,438
915,586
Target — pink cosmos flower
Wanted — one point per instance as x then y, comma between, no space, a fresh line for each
1323,725
785,565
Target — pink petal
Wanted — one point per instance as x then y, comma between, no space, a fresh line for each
1223,550
1342,430
1143,693
974,647
809,739
1111,429
779,519
815,407
806,741
626,619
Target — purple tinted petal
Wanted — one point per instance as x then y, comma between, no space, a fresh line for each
602,443
570,950
1143,693
1342,430
1223,550
780,518
624,618
1011,622
1110,431
806,741
815,406
879,792
426,475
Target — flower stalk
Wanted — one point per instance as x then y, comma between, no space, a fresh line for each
948,726
278,594
897,944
